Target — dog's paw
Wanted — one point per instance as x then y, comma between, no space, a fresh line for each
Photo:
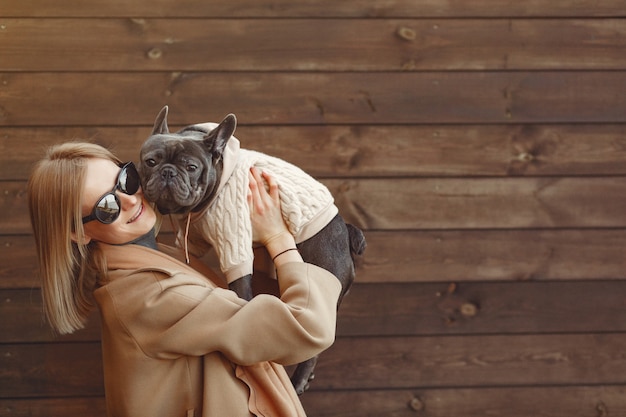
243,287
303,375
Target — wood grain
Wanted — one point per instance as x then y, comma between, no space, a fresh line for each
50,370
493,255
467,402
373,151
512,402
411,204
311,44
480,145
453,308
83,99
472,361
67,407
313,8
73,369
431,256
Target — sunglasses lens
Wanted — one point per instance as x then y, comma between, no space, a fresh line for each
129,179
108,209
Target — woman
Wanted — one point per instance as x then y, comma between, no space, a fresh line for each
174,343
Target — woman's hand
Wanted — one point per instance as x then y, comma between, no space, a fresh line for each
265,214
268,225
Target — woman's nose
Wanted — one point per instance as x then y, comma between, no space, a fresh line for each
128,201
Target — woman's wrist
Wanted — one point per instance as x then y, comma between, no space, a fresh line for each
291,255
282,249
282,253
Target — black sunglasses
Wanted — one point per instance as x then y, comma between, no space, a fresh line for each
107,209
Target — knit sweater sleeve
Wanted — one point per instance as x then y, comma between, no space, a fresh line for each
228,228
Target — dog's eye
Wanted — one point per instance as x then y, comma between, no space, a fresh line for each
150,162
192,168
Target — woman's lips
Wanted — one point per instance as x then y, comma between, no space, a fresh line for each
136,216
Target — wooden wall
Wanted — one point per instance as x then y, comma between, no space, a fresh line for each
480,144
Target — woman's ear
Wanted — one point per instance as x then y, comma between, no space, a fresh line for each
84,241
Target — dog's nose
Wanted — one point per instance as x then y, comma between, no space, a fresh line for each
168,173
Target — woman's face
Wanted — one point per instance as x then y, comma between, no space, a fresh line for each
136,216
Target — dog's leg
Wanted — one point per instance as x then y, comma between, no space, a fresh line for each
243,287
303,375
332,248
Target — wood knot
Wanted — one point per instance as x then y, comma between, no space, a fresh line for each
416,404
406,33
409,65
469,309
525,157
155,53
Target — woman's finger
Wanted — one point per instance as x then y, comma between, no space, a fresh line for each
253,193
273,186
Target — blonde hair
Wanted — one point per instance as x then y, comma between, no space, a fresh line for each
68,269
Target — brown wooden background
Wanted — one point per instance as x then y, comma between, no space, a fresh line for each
480,144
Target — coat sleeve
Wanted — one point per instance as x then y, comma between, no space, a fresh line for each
173,317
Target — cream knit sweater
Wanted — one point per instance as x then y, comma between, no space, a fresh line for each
307,207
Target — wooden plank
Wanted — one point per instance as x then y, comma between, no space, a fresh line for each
52,407
373,151
466,402
74,369
469,402
311,44
409,204
22,147
18,262
493,255
50,370
481,203
22,320
64,99
431,256
410,310
471,361
483,308
313,8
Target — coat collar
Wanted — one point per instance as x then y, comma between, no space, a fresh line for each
167,259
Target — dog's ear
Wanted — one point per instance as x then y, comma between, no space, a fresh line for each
217,138
160,124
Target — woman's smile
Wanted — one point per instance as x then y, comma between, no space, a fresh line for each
137,214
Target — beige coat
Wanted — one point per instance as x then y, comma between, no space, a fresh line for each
177,345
